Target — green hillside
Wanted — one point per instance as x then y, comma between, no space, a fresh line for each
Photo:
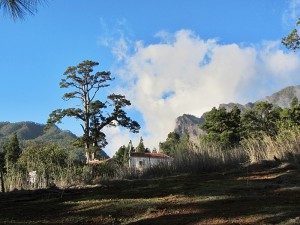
31,131
34,132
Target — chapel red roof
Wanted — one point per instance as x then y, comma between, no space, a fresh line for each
149,155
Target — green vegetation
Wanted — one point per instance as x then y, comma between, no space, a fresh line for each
230,128
141,146
44,165
170,146
222,127
292,41
12,152
2,171
26,147
122,155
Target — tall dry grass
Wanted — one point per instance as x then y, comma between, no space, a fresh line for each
285,146
208,158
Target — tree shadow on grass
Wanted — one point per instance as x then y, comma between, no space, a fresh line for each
231,211
270,197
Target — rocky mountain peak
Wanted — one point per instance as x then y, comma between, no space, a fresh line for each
284,97
189,124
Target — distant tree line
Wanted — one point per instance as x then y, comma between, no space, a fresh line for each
228,128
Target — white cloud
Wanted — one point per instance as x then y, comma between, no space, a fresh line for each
186,74
115,37
277,62
116,137
292,13
120,49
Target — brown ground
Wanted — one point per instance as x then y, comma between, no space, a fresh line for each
253,195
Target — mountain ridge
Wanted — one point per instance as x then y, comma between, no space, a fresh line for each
190,124
284,97
28,130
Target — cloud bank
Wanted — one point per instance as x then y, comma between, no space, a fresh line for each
183,73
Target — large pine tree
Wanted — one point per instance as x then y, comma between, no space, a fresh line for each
94,114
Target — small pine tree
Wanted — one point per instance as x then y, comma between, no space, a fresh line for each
154,150
170,146
295,102
126,153
119,155
141,146
12,151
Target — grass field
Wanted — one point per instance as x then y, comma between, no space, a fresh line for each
253,195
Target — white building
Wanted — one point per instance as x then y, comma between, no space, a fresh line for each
32,177
142,161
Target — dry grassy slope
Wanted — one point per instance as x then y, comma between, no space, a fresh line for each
259,194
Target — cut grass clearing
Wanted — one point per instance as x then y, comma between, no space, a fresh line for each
257,196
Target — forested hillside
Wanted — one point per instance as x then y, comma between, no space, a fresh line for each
28,132
34,132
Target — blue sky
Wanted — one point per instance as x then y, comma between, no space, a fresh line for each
169,57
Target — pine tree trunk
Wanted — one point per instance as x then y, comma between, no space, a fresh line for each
87,156
87,144
93,152
2,182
